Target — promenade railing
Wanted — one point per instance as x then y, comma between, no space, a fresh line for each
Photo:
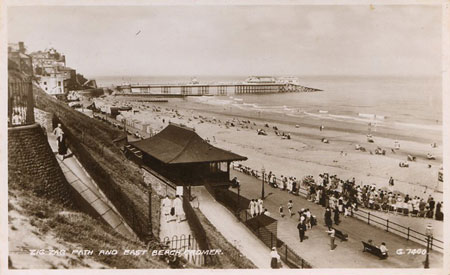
292,259
408,233
229,200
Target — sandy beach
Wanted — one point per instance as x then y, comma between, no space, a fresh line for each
305,153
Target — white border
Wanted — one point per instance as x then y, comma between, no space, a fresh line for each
3,128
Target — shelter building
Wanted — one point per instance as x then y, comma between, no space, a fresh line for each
181,155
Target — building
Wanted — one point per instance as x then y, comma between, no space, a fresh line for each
44,62
52,74
54,84
181,155
22,61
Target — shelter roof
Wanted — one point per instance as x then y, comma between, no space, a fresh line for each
176,144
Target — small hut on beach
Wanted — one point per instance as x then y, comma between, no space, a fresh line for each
181,155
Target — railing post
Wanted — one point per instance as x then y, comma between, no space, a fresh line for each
408,235
368,218
387,225
431,244
271,239
286,252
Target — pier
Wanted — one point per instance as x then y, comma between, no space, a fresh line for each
198,89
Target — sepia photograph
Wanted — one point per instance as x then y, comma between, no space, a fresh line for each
223,136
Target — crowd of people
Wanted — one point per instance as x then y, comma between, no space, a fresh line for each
345,196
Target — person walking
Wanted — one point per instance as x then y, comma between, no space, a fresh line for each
328,221
178,205
166,206
261,206
281,211
252,208
289,206
275,258
62,147
336,215
301,230
391,181
331,232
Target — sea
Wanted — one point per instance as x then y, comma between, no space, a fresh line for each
411,102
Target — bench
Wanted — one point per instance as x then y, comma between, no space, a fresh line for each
374,250
340,235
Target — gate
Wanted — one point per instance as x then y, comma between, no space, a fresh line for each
187,245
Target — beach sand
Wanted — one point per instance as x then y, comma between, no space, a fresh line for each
305,154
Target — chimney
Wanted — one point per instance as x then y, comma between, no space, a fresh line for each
21,47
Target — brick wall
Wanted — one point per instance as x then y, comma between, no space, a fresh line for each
29,150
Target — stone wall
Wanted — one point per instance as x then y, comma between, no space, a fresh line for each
29,151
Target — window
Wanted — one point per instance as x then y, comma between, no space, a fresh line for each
45,82
59,83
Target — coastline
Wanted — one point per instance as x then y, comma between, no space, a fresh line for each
304,154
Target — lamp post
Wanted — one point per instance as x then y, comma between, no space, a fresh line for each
429,233
150,230
238,202
262,182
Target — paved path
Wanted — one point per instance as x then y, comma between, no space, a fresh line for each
316,248
80,180
234,231
170,227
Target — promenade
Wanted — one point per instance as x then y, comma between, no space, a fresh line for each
316,249
235,232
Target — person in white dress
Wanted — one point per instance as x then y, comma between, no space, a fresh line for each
256,206
179,211
261,206
252,208
166,206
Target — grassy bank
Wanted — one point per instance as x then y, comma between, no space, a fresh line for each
120,179
75,230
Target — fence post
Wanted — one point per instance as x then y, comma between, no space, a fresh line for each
408,235
431,244
286,252
387,225
368,218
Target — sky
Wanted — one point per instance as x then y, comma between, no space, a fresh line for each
236,40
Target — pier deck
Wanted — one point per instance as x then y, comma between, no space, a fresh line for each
192,89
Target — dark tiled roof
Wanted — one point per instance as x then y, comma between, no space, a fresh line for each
175,145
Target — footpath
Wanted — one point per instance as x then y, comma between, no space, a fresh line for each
316,249
234,231
80,180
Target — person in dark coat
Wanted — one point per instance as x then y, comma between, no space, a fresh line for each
274,258
62,147
336,215
301,230
328,221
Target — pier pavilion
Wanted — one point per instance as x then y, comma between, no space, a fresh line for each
181,155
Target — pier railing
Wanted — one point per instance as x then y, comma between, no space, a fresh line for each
408,233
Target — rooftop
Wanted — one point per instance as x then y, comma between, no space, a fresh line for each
176,144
